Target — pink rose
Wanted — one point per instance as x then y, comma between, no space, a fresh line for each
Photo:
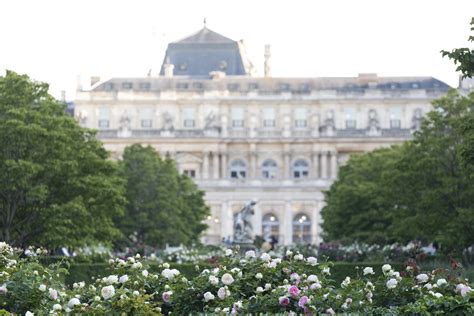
294,291
166,296
303,301
284,301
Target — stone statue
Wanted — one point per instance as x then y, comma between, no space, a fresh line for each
167,122
211,122
373,125
243,230
125,129
416,120
329,123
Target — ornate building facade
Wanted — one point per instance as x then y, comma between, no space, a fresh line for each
241,137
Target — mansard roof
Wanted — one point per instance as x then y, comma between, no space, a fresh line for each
205,51
273,85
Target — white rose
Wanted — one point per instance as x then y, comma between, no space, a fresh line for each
123,278
42,288
312,278
265,257
422,278
73,302
272,264
208,296
315,286
136,293
57,307
221,293
368,270
312,261
175,272
166,265
137,265
386,268
28,313
167,273
298,257
53,294
228,252
428,286
213,280
259,276
250,254
112,279
227,279
441,282
346,282
107,292
326,271
397,276
268,286
259,289
145,273
3,289
392,283
437,295
289,253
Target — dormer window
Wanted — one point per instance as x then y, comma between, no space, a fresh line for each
182,86
127,85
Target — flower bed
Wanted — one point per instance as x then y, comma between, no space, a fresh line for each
239,284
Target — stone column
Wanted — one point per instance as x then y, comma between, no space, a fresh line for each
253,161
316,222
288,223
205,165
224,171
324,164
215,165
227,221
334,165
286,165
315,165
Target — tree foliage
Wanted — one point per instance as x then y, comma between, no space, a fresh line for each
164,206
57,187
463,57
423,189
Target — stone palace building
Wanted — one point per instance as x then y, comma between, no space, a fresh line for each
242,137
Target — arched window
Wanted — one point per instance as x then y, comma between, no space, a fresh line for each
238,169
301,229
300,169
269,169
270,227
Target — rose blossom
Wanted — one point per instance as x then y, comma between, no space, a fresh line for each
208,296
227,279
250,254
73,302
368,270
166,296
57,307
386,268
312,278
284,301
107,292
53,294
312,261
293,290
213,280
441,282
123,278
42,288
265,257
303,301
391,284
422,278
259,276
315,286
3,289
221,293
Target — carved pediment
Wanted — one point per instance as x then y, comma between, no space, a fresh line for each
188,158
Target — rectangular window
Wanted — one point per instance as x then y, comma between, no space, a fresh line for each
350,115
301,115
189,120
146,118
190,173
103,118
109,86
237,174
237,115
300,174
145,86
127,85
395,118
269,117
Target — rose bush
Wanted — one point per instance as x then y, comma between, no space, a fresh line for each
236,285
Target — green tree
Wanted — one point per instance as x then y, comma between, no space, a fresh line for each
463,57
420,190
57,187
357,202
163,206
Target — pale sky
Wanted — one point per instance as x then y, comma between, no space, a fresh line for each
55,41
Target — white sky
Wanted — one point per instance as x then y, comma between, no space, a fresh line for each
55,41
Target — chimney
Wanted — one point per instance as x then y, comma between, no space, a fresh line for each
63,95
266,65
168,68
94,80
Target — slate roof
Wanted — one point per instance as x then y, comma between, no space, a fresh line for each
205,51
